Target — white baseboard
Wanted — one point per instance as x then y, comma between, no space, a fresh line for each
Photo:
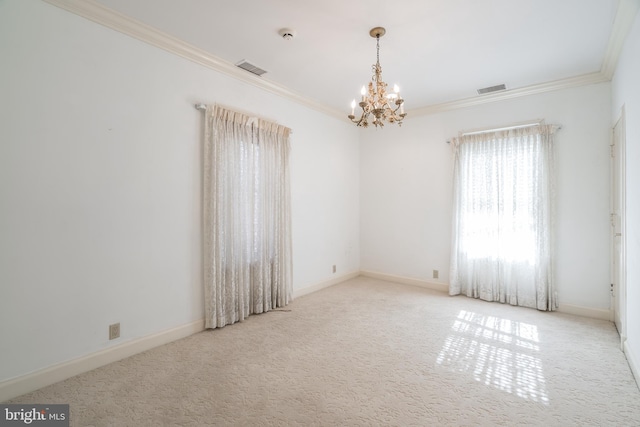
442,287
594,313
18,386
634,363
318,286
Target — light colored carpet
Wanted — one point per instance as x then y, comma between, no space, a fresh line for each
368,352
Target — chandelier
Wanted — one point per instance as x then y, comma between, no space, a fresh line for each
375,100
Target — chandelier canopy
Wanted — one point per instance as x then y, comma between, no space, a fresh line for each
375,100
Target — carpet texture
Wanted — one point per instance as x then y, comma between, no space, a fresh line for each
368,352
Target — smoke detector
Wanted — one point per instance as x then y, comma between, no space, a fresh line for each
287,33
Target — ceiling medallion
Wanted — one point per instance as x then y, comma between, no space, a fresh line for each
375,100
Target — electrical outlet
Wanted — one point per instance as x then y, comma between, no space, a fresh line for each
435,274
114,331
334,268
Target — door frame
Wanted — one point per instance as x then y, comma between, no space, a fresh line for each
618,308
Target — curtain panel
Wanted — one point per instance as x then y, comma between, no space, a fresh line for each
247,216
503,217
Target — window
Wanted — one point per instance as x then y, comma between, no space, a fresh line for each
503,208
247,217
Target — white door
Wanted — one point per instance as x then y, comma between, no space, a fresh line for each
618,269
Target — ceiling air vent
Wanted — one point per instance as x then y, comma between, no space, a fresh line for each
491,89
250,67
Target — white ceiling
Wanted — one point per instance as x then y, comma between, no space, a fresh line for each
436,50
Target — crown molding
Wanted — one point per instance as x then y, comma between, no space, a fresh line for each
96,12
117,21
585,79
622,23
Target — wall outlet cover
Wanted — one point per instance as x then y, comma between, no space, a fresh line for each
114,331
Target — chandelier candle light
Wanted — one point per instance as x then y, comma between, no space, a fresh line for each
375,100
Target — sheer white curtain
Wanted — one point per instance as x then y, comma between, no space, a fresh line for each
247,219
502,248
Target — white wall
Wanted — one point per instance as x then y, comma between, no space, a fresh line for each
405,176
405,196
100,186
626,92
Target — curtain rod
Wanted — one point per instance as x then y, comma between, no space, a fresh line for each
203,107
515,126
477,132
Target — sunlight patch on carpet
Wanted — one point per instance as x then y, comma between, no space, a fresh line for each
498,352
